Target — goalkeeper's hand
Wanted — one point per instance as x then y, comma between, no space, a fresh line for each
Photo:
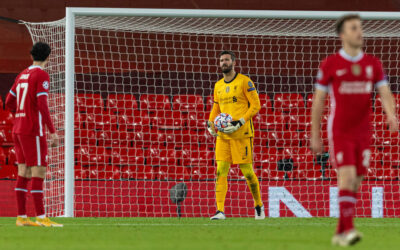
233,126
211,128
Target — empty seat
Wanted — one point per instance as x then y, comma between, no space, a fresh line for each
6,119
92,156
84,137
167,119
121,138
6,137
196,120
274,122
122,103
161,157
3,156
266,104
101,121
8,172
154,102
127,156
188,103
137,121
89,103
289,103
209,103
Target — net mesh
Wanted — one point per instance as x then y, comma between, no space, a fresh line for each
143,94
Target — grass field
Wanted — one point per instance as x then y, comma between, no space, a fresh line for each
194,233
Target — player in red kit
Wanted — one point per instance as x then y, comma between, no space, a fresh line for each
27,99
349,77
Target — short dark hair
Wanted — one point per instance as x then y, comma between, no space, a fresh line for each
340,22
40,51
227,52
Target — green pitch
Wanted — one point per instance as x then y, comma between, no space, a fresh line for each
194,233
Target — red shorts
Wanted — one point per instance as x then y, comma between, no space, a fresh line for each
31,150
353,152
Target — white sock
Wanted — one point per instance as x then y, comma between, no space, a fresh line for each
42,216
23,216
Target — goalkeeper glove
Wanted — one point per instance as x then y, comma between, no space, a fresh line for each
233,126
211,128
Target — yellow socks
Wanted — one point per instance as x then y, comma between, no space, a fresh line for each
252,182
222,183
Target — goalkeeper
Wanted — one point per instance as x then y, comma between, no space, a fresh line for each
235,94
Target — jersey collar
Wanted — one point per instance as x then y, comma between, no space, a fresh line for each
34,67
351,58
232,78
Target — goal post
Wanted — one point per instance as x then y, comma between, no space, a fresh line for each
171,52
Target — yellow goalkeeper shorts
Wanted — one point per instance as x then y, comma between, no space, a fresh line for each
235,151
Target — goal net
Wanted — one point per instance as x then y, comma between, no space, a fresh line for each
142,95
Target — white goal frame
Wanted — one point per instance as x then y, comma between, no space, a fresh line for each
72,13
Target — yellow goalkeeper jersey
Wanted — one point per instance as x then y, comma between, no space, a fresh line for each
239,98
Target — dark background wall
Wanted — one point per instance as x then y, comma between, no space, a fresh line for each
15,41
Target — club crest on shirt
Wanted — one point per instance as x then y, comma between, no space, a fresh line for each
356,69
46,85
227,89
368,72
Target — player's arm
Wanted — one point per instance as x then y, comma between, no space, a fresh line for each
41,95
389,106
11,101
318,105
250,92
213,114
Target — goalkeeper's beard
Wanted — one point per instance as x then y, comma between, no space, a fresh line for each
227,70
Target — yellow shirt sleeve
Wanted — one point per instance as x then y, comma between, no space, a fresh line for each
250,91
215,109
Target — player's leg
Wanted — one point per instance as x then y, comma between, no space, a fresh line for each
21,187
223,159
344,156
242,154
38,160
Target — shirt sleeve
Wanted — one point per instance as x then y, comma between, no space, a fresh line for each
43,84
380,78
250,92
215,109
323,77
11,99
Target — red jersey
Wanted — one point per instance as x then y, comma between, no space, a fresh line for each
28,99
350,81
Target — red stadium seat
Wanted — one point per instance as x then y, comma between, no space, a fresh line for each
302,157
101,121
1,103
260,138
266,105
8,172
166,119
121,138
3,156
289,103
89,103
85,137
151,103
266,158
180,138
196,157
6,119
299,122
206,140
6,137
161,157
92,156
176,172
391,156
122,103
138,172
273,122
11,156
309,100
127,156
196,120
188,103
283,139
104,138
209,103
137,121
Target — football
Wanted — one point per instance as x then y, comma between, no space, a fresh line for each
222,120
